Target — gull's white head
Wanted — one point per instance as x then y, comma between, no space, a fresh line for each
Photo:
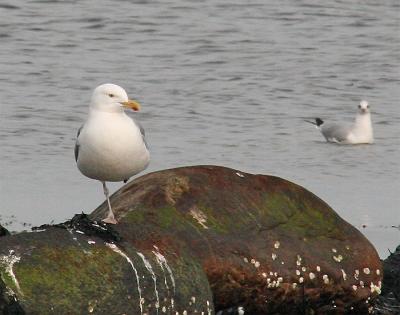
111,98
363,108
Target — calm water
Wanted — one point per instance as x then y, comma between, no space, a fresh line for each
221,82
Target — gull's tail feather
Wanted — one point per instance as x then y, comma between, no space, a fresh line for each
318,122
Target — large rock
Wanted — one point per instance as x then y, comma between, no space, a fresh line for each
85,268
267,245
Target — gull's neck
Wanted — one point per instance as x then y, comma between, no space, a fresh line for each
95,110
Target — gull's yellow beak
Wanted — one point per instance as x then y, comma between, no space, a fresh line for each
131,104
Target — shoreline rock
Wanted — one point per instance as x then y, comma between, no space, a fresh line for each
262,244
259,238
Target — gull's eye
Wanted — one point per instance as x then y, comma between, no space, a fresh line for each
111,95
367,106
359,106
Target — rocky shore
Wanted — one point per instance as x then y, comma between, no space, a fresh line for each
197,240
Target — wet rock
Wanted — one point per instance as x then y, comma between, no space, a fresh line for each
391,267
82,222
388,302
268,246
62,270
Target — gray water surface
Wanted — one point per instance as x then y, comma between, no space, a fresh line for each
220,82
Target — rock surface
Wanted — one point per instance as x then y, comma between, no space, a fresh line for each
389,301
80,268
267,245
3,231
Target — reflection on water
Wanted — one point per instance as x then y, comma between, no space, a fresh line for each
220,82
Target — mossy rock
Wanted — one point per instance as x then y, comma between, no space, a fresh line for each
266,244
60,271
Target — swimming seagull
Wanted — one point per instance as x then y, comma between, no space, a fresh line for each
359,132
110,146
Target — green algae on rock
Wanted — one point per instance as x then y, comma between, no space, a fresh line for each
59,271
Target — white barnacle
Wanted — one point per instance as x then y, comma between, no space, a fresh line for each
344,275
318,268
366,271
257,264
245,260
253,261
277,244
356,274
301,280
264,274
240,310
311,275
362,284
378,272
297,272
280,279
275,274
274,256
193,298
303,269
354,287
375,288
294,285
325,278
334,250
337,258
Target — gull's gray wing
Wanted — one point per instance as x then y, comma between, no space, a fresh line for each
335,132
142,132
76,150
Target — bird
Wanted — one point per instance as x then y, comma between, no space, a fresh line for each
358,133
110,146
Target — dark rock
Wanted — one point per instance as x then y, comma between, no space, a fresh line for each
83,223
267,245
391,279
3,231
388,302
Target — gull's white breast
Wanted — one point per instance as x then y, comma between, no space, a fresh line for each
111,147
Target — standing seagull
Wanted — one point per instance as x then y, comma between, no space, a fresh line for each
110,146
359,132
